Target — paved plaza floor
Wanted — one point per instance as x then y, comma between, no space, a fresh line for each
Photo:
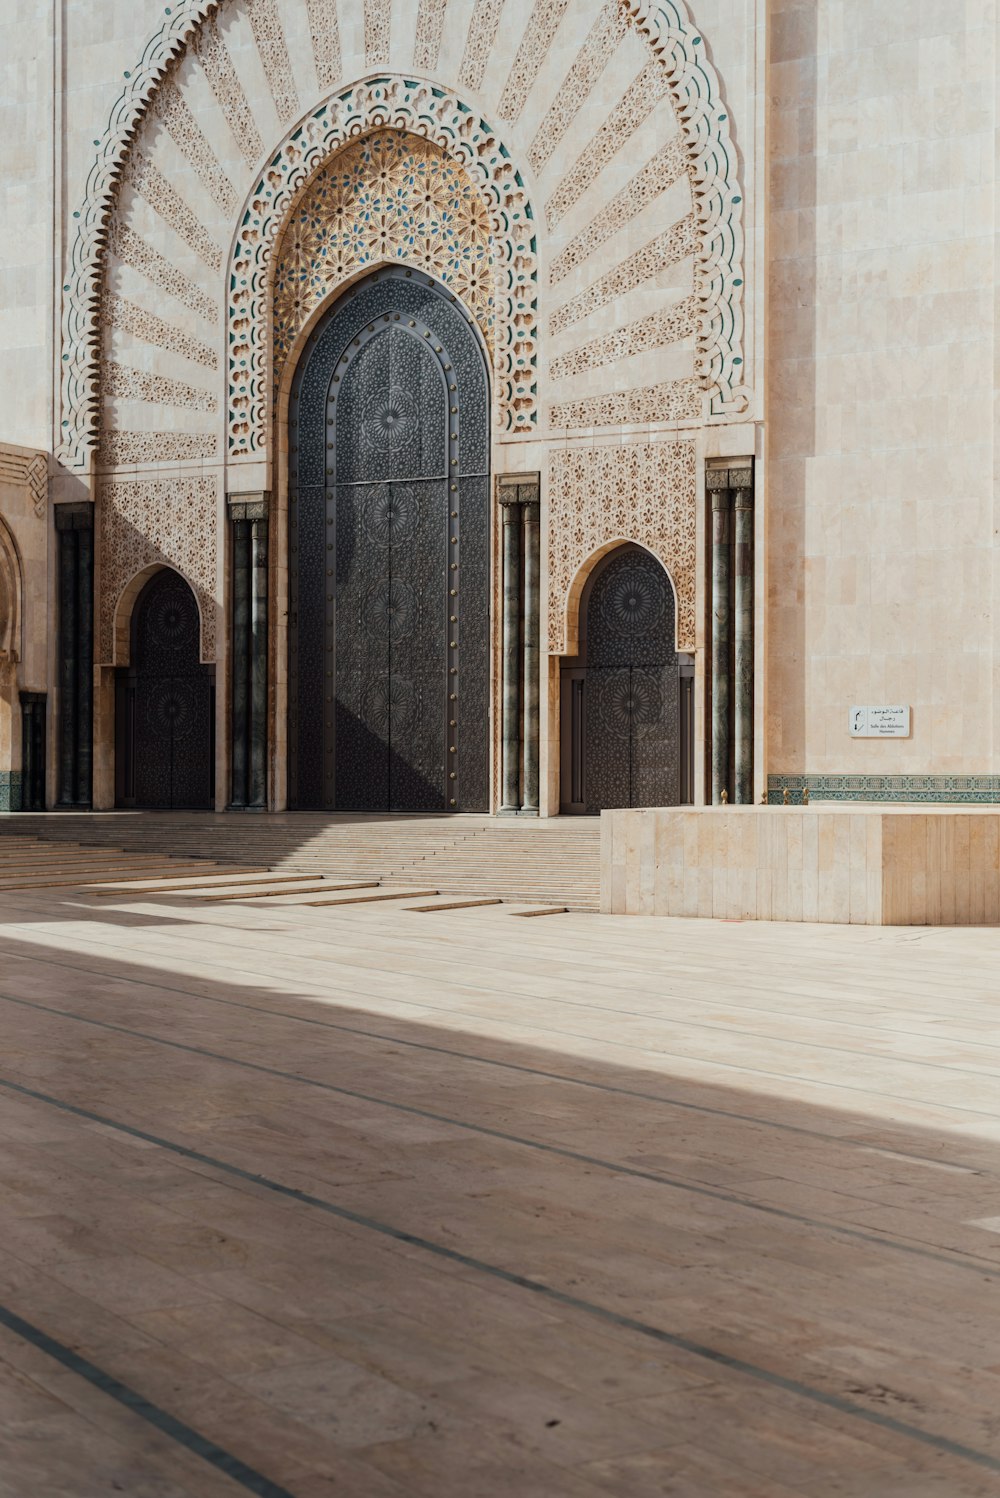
374,1203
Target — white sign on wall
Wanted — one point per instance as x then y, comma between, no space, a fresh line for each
880,722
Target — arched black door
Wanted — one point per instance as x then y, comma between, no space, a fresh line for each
622,702
165,704
389,556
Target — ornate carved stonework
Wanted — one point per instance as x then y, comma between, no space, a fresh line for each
388,196
169,521
418,109
597,496
157,90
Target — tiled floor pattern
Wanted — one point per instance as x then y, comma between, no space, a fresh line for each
368,1202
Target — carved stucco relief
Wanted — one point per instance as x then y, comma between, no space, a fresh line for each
165,522
644,492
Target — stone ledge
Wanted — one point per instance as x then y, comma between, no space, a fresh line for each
862,865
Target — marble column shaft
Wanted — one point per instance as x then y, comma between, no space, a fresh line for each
743,651
75,535
529,510
722,547
510,747
249,651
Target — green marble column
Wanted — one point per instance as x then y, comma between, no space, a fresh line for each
75,569
510,723
248,514
532,562
722,547
32,751
741,483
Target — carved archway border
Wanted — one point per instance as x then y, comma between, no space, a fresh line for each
386,102
81,333
602,496
11,596
696,95
718,195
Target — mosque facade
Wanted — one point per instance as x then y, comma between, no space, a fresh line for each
510,406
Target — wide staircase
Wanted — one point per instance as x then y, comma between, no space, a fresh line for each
551,861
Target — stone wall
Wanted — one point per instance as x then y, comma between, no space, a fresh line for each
880,429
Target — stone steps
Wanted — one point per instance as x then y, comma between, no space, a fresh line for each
552,861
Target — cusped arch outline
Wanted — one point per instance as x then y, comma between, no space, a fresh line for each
696,94
423,109
586,570
81,332
11,596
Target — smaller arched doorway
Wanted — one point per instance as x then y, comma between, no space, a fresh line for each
165,705
627,724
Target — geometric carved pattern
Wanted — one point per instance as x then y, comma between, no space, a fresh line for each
645,91
174,113
665,26
466,139
325,29
121,449
668,248
479,42
427,42
659,174
30,470
671,400
542,23
644,492
38,483
698,103
165,200
160,521
228,90
654,331
139,385
269,35
593,57
389,196
377,22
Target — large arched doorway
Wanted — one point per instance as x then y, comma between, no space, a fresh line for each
389,555
626,721
165,704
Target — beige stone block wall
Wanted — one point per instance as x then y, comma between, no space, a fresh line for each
881,338
860,866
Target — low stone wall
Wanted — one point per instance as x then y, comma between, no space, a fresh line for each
876,866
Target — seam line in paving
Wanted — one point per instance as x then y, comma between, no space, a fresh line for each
168,1424
742,1069
548,1292
590,1005
650,1097
979,1266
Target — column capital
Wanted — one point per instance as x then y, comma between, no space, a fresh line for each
517,488
741,479
78,516
249,506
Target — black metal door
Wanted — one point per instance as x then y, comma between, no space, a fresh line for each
165,704
389,610
631,693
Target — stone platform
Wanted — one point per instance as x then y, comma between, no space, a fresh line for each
863,865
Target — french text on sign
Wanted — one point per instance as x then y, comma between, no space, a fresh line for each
884,722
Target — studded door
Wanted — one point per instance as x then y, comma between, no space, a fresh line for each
631,694
388,541
166,700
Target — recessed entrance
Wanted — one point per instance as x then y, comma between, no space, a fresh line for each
626,700
165,704
389,555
